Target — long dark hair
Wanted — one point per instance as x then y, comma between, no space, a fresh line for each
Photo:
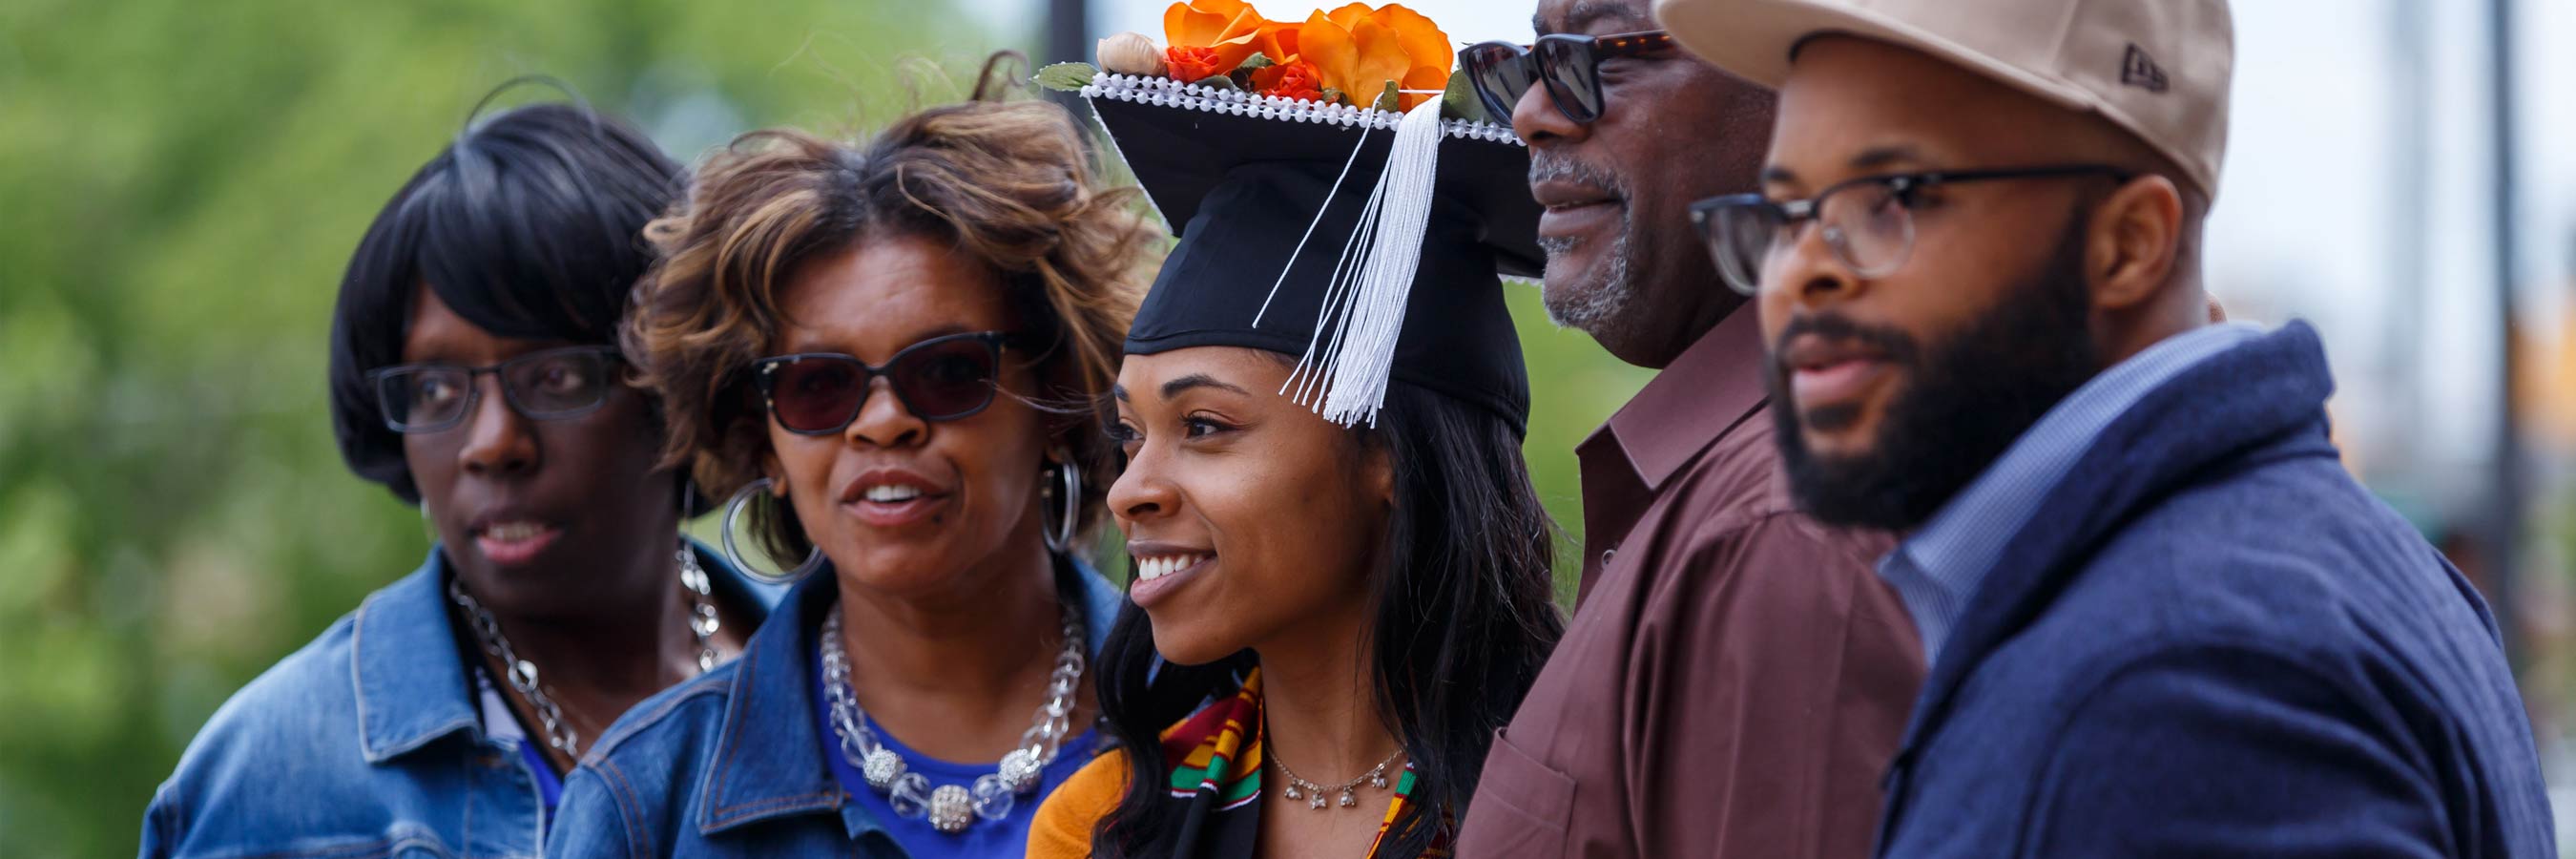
1461,611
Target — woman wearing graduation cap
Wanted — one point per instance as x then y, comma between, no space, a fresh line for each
1342,582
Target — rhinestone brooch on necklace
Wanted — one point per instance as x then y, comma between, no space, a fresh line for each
953,808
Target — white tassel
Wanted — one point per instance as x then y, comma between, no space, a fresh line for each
1293,253
1345,379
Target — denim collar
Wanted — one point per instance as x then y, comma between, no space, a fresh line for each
768,756
411,685
410,675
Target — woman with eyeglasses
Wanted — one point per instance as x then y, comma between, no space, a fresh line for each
474,374
888,355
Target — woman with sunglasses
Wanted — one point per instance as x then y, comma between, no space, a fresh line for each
890,355
473,373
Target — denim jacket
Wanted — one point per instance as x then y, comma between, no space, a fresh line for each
366,742
731,764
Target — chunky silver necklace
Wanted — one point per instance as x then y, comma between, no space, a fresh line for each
951,808
1313,793
523,674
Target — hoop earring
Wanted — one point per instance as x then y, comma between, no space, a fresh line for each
1059,537
733,554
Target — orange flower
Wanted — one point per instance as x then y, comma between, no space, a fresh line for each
1295,79
1278,41
1191,65
1357,50
1209,37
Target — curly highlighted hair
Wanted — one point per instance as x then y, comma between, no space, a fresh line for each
1011,182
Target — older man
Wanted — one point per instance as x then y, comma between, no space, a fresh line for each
2164,621
1735,676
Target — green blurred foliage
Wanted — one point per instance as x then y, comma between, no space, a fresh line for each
1574,386
180,186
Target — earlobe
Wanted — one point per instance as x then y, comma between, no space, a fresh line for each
1381,477
2136,238
777,475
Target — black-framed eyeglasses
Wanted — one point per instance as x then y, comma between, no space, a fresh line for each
1570,64
1868,222
939,379
551,385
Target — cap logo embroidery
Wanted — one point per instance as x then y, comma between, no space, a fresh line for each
2139,70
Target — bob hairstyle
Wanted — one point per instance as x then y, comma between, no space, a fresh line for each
1010,183
529,224
1461,619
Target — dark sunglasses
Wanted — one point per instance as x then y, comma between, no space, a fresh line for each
939,379
1502,72
548,386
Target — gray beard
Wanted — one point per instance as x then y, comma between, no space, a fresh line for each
1589,310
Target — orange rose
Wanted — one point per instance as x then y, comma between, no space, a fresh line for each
1357,50
1191,65
1296,79
1278,41
1209,37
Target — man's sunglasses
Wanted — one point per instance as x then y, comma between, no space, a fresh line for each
555,384
939,379
1502,72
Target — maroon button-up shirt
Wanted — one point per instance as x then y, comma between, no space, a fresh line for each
1735,677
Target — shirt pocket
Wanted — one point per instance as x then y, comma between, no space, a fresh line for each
1521,806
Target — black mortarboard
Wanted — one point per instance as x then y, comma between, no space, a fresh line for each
1244,181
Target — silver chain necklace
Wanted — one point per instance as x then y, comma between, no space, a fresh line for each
1299,788
951,808
523,674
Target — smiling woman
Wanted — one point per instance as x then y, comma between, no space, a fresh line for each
473,373
1343,571
888,353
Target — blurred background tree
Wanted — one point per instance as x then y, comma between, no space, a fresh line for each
181,184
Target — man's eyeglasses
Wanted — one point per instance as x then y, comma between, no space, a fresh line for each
1868,222
1570,64
551,385
939,379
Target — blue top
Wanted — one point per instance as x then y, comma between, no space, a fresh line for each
734,763
500,723
2209,640
367,741
549,785
1937,569
1007,837
503,725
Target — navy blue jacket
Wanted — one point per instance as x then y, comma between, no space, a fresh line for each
2211,641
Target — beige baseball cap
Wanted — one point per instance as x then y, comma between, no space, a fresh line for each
2158,68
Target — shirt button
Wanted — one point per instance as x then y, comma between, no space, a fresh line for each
1607,555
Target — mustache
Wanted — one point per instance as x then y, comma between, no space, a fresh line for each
1547,166
1899,347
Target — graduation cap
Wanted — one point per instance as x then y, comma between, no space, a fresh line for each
1368,244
